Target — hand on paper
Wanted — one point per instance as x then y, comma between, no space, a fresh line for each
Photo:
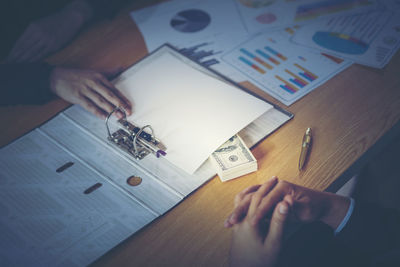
90,89
307,205
258,242
49,34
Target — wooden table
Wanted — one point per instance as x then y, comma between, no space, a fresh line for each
351,115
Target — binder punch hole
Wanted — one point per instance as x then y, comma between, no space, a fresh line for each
134,181
134,140
92,188
64,167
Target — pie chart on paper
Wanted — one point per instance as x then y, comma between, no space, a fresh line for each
191,20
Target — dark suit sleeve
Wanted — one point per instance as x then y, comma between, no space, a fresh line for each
372,230
25,83
370,238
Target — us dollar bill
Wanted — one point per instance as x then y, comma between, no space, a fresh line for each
233,159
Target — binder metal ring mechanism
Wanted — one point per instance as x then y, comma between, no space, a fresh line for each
134,140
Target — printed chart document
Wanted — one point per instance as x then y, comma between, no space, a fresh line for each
262,15
65,195
282,69
202,29
182,22
370,39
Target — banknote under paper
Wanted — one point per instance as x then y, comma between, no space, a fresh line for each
233,159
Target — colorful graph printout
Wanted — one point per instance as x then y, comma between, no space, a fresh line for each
259,16
321,8
184,23
280,68
202,29
370,39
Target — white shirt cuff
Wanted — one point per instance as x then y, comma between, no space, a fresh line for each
346,218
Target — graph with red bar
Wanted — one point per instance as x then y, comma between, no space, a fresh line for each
262,60
252,65
306,73
280,68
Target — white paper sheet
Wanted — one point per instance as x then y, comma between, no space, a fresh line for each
221,32
191,112
181,24
370,39
265,15
282,69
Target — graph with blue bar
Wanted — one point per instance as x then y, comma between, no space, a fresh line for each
285,71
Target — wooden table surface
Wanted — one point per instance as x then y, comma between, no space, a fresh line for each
348,115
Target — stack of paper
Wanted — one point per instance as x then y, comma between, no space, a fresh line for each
241,38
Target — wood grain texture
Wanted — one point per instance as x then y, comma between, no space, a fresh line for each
348,114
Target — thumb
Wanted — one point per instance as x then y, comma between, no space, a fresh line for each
277,224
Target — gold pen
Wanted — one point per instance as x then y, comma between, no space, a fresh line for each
305,148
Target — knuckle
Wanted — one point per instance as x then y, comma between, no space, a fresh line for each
89,105
248,197
111,95
101,100
91,83
80,94
281,183
255,198
238,198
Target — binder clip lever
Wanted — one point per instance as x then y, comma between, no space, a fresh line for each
134,140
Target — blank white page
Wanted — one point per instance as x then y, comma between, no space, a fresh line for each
191,112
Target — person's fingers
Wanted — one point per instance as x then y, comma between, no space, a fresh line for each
239,212
241,206
259,195
106,92
267,205
98,100
239,197
289,199
127,105
87,104
276,226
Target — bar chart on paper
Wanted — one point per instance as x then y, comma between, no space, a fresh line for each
285,71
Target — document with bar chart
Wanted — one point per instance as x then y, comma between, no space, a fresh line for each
284,70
